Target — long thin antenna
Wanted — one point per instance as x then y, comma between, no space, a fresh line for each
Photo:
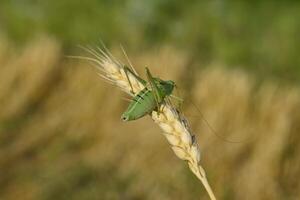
208,124
212,129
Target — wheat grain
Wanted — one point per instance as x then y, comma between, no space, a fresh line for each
173,123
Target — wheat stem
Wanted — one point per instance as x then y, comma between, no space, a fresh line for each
205,183
175,126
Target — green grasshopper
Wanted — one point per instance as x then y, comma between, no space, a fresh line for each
148,99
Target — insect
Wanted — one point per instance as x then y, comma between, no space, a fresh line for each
148,99
155,93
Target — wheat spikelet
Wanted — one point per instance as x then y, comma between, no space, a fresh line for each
172,122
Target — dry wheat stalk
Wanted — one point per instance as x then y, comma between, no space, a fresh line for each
172,122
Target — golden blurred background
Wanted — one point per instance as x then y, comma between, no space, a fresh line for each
61,136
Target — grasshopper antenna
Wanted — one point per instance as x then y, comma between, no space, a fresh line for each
213,130
207,123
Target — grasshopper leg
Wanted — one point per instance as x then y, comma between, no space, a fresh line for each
154,90
128,70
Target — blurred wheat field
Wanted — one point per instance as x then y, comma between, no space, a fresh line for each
61,136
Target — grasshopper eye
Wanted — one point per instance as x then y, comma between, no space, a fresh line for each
125,118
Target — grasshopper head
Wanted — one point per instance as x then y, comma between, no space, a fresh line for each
125,117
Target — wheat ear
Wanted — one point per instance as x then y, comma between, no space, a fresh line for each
173,123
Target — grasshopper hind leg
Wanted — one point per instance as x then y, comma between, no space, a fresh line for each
154,89
128,70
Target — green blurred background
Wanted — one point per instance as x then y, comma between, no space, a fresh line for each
262,36
60,131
